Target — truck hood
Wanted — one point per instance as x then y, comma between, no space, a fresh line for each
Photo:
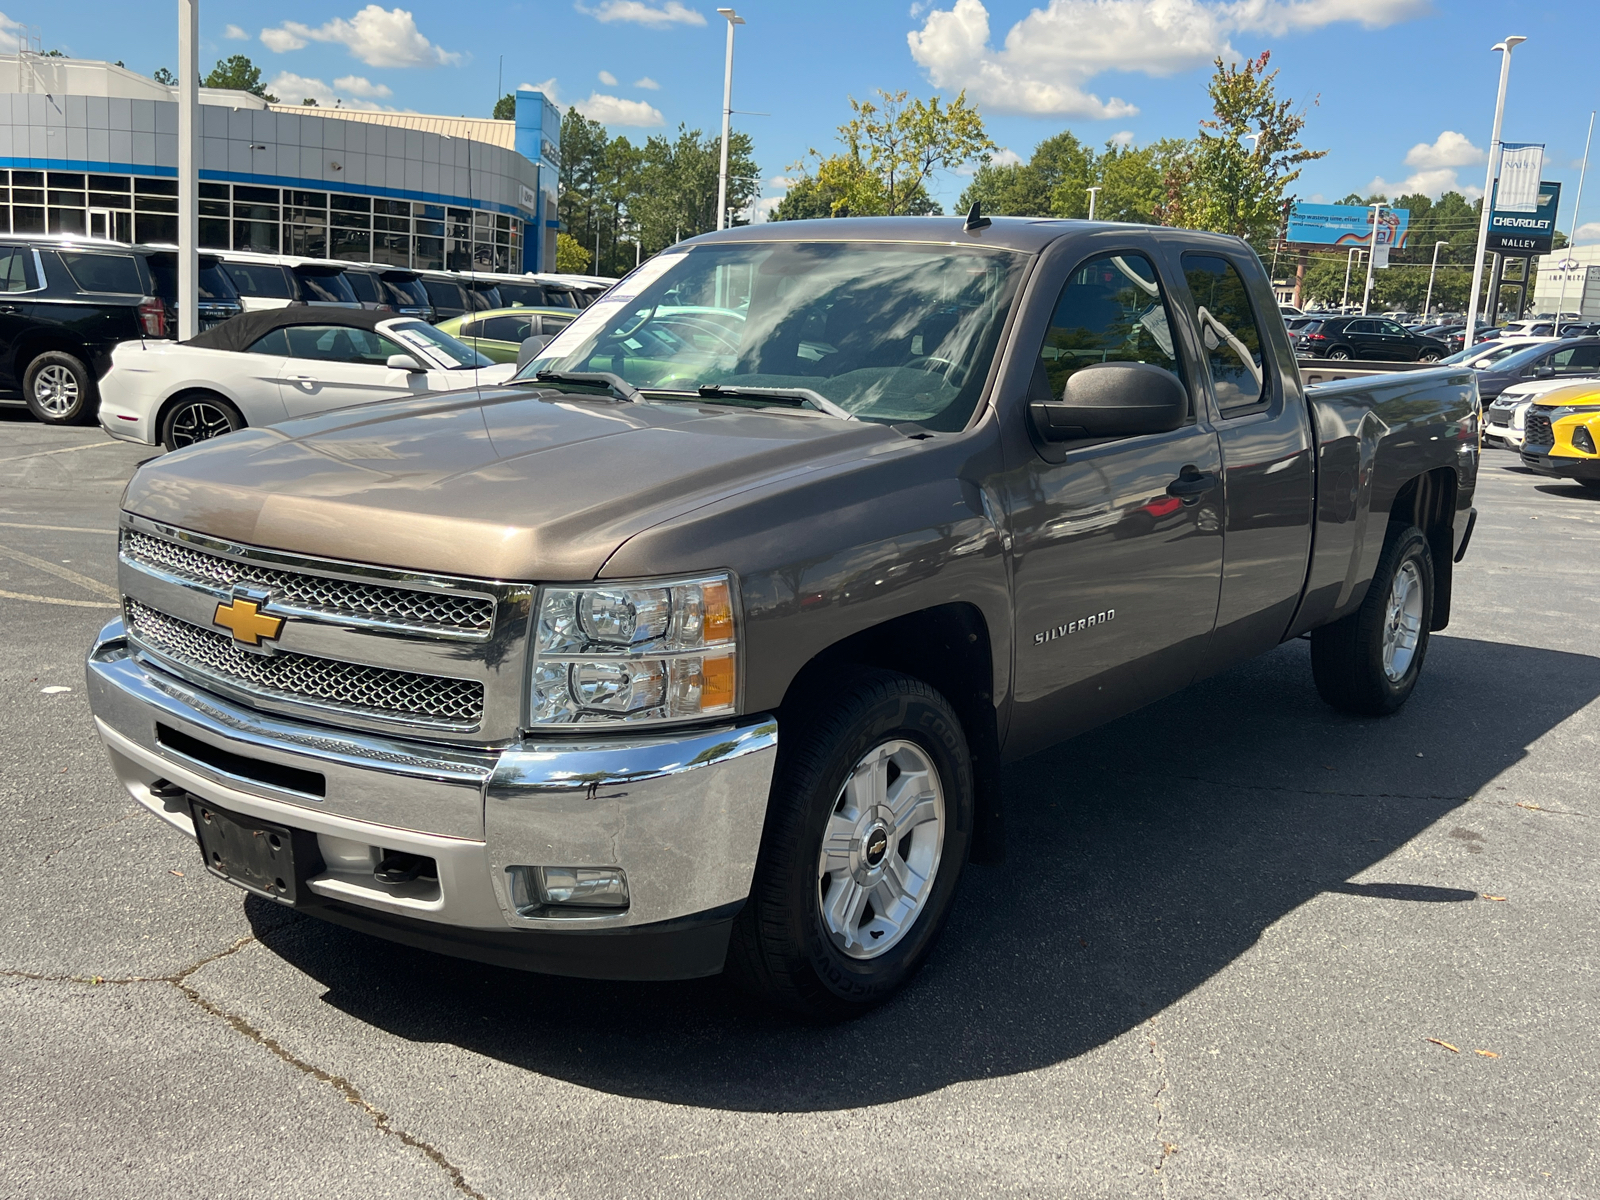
516,484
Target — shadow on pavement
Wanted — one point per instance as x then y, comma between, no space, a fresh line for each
1143,858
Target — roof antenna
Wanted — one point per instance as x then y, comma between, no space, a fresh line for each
976,219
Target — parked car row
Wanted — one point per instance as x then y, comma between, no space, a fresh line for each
70,302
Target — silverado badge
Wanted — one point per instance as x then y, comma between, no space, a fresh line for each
242,616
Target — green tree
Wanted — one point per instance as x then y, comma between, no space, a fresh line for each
165,76
1055,182
505,108
1235,176
571,257
239,74
678,185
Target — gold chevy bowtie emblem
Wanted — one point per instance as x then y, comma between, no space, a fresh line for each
244,619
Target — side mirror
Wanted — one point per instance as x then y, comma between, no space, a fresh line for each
529,350
404,362
1543,371
1113,400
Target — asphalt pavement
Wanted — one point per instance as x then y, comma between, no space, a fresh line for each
1241,946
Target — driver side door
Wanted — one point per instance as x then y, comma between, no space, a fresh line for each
335,366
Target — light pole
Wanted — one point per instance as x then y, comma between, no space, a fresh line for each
188,169
1427,305
1582,171
1092,193
1352,257
1505,48
1372,255
727,113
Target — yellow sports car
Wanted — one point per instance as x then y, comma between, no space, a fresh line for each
1563,430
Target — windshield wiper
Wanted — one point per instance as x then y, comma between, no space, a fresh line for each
801,394
620,387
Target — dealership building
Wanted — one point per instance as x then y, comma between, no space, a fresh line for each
92,148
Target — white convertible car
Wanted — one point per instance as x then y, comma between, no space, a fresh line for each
264,367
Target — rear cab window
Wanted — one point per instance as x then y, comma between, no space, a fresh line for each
1230,332
105,273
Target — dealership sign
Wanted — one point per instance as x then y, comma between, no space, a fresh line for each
1524,233
1347,225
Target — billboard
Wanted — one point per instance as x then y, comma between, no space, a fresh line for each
1346,225
1525,233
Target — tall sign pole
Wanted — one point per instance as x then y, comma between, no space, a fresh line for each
727,113
188,169
1505,48
1576,208
1372,254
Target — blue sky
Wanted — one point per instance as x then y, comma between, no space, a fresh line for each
1405,87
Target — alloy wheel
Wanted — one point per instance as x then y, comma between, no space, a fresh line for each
1402,627
55,390
198,421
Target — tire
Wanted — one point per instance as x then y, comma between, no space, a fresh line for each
1340,353
1428,356
198,417
808,939
60,389
1368,662
1590,485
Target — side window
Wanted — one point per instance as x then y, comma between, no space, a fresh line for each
505,329
1361,327
104,273
336,343
1228,327
1112,309
12,269
274,343
1578,360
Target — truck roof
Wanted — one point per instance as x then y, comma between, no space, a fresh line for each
1026,234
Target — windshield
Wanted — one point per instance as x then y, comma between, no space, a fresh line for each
888,332
420,335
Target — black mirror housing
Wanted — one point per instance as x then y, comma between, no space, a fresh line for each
1117,399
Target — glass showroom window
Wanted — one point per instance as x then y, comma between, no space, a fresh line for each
255,219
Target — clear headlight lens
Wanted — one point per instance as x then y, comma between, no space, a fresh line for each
638,653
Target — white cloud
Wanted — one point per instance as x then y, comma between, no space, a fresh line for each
376,36
1450,149
637,12
760,210
1051,54
1006,157
548,87
614,110
360,85
607,78
1434,181
782,181
648,84
1589,231
1122,137
234,34
292,89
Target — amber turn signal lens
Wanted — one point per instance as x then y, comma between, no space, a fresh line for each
718,620
717,683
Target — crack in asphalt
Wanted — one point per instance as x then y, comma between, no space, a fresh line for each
1164,1148
350,1093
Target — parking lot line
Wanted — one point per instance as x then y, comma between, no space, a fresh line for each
52,528
63,450
60,572
58,600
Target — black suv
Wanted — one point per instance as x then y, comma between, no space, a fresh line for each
1376,338
218,299
390,289
65,304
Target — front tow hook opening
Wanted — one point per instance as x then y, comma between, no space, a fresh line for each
397,866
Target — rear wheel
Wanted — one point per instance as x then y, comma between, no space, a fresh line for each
60,389
867,831
198,417
1368,662
1340,353
1428,356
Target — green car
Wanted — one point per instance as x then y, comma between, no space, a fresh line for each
498,334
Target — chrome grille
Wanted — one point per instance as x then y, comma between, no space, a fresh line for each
1538,433
401,607
401,696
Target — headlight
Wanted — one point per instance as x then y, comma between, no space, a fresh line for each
637,652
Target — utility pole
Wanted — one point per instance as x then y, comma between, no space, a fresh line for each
1427,305
1582,171
188,169
727,114
1093,192
1372,254
1505,48
1352,257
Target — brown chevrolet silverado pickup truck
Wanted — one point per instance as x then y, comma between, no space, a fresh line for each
700,645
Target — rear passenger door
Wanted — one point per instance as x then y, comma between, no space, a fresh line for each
1265,435
333,366
19,277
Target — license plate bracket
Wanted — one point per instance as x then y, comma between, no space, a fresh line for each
255,855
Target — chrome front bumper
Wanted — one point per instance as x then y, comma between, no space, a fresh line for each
681,814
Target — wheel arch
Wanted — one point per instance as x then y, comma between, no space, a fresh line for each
1428,501
187,392
948,647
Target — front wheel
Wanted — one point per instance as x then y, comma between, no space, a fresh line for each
1368,662
198,418
868,829
1428,356
1340,353
60,389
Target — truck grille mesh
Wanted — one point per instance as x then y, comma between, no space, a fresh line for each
337,597
349,687
1538,432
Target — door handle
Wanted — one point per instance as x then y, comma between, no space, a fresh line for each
1191,484
9,308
